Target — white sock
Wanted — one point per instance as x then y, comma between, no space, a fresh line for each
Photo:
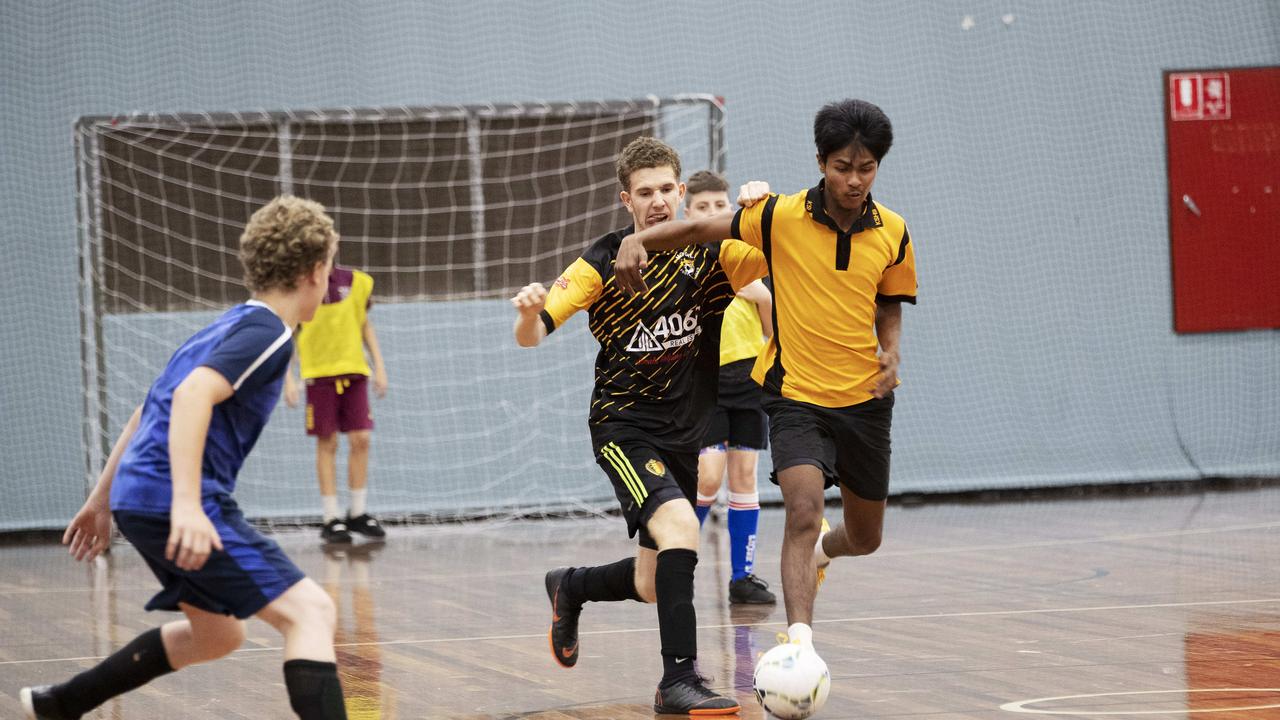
820,558
800,633
330,506
357,501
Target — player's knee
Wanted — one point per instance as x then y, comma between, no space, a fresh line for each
327,443
804,516
862,543
313,609
359,441
708,485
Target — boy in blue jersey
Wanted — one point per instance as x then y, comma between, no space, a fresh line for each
170,477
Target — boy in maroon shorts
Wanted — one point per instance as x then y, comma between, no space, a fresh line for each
331,348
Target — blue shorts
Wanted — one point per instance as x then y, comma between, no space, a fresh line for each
241,579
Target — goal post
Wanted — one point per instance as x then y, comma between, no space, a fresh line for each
450,208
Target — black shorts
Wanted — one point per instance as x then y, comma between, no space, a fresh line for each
850,444
738,420
245,576
738,429
644,478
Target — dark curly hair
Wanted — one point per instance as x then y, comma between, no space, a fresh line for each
283,241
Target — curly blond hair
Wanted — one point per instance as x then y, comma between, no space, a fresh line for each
645,152
283,241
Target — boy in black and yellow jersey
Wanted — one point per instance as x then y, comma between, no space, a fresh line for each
842,265
655,387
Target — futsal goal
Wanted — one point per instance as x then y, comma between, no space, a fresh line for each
450,209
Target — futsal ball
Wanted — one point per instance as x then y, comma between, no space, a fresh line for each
791,681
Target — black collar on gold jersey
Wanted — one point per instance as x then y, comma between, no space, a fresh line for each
870,218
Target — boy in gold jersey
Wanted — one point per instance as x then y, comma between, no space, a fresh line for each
841,264
739,428
331,351
655,384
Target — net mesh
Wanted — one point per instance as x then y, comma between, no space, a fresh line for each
450,209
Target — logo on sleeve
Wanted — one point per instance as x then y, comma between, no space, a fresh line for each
562,282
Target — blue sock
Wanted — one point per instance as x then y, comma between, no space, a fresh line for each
744,517
702,508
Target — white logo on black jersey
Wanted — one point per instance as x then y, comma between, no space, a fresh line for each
669,331
643,340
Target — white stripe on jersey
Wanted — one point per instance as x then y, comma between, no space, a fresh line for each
284,338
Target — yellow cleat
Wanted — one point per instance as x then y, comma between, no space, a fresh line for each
822,569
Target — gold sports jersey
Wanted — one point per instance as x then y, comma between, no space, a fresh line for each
741,334
332,343
826,284
658,365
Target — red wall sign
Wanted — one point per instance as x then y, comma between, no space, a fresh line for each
1222,129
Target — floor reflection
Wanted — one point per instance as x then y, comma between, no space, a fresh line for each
347,572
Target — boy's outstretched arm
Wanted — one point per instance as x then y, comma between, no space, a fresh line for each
191,534
89,532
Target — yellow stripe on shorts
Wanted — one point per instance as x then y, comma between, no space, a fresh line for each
629,476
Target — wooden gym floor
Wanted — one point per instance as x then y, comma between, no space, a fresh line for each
1157,606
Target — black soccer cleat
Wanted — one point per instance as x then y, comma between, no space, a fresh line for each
750,590
335,531
691,697
366,525
563,636
40,704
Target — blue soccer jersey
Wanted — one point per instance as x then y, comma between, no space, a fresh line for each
248,345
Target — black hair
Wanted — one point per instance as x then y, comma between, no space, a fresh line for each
859,123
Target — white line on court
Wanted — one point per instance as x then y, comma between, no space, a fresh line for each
629,631
1020,706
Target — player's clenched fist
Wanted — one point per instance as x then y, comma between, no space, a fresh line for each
531,299
752,193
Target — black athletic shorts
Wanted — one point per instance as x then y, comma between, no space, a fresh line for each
644,478
738,420
850,444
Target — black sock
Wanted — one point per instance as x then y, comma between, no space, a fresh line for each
130,667
603,583
315,692
677,622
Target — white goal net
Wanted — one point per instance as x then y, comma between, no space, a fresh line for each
449,208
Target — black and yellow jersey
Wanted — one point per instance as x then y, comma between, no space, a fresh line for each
656,373
826,283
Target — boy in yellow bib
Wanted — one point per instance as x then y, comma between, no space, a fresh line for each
331,351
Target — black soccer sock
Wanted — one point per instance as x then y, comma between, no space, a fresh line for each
677,622
315,692
603,583
130,667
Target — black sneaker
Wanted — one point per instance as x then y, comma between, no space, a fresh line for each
750,590
563,636
40,704
691,697
367,525
335,531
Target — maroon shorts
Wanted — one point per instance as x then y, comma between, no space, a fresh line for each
338,404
